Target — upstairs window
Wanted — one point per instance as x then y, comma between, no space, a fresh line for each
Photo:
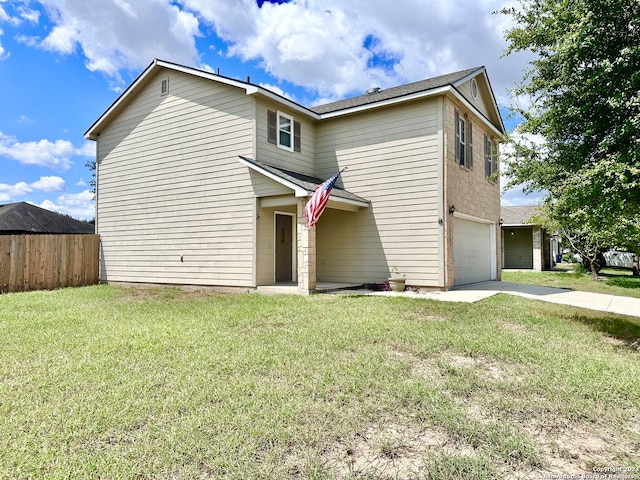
283,131
464,140
490,157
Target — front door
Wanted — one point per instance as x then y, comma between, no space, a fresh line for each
284,248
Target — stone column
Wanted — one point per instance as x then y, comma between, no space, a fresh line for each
306,252
538,251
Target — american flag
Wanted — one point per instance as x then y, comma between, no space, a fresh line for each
318,202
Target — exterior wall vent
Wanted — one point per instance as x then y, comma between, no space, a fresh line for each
474,89
164,87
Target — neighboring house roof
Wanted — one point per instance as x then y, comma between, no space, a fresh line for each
518,215
383,97
302,185
22,217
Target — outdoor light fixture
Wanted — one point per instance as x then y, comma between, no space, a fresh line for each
452,209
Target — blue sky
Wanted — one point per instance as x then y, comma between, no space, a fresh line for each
63,62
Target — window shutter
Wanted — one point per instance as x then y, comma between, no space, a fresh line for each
456,121
469,144
297,147
272,127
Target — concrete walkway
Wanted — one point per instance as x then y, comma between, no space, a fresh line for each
480,291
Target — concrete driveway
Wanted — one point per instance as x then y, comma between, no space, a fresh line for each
480,291
594,301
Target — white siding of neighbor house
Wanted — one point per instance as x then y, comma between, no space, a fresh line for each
301,162
170,186
394,159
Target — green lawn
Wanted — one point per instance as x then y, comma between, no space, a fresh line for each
107,382
610,281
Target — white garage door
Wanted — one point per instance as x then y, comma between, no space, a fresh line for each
472,251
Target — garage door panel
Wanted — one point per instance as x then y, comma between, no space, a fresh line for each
472,250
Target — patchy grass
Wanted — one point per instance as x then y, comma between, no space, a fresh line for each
106,382
610,281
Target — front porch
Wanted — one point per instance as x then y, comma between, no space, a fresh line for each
292,287
286,253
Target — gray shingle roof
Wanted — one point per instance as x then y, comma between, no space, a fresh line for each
518,215
306,182
396,92
23,217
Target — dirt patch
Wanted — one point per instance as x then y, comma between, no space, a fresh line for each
616,342
144,292
564,446
577,448
389,452
484,367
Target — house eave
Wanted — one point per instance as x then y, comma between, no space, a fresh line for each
94,131
297,190
300,192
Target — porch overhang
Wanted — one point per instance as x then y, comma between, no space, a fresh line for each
302,186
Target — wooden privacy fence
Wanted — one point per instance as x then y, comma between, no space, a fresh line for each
41,262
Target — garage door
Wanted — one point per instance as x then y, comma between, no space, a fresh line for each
472,251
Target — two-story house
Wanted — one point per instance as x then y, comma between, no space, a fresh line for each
202,179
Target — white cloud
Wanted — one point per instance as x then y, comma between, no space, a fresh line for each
49,184
56,155
338,48
3,53
28,14
516,195
9,192
331,47
121,35
77,205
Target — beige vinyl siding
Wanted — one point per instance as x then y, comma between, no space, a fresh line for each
483,103
303,161
393,157
174,203
266,187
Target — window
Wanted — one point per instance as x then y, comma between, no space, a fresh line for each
464,140
283,131
490,157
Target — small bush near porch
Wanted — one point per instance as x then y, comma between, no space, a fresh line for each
106,382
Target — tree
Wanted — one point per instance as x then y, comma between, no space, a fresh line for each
91,165
583,95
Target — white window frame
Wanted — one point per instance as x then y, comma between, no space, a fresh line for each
280,131
490,156
461,147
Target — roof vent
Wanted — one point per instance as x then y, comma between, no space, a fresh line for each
373,90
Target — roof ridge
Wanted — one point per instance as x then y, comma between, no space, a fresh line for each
397,91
